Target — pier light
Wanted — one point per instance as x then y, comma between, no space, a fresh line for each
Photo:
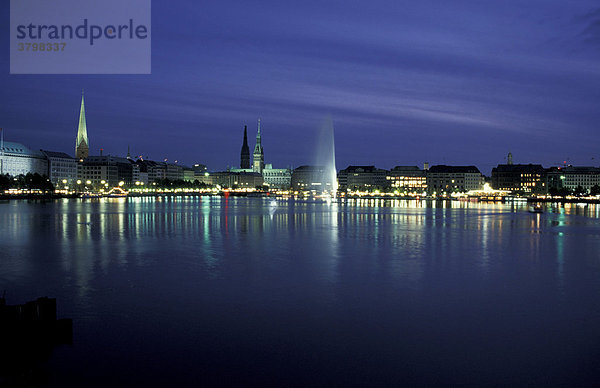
121,183
88,182
64,181
78,182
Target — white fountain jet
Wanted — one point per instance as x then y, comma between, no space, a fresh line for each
326,157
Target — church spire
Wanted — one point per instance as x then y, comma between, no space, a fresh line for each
82,147
245,155
258,160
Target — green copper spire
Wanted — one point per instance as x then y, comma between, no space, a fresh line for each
258,160
82,147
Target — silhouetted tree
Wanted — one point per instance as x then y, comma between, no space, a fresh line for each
579,191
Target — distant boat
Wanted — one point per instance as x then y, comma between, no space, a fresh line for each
116,192
90,195
536,209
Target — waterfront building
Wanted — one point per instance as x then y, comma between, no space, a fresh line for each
278,178
199,169
258,161
523,178
245,154
62,168
363,178
156,170
453,179
188,174
206,178
174,172
139,173
573,177
311,178
229,179
162,170
82,146
16,159
407,178
108,169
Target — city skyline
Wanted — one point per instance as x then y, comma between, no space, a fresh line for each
426,84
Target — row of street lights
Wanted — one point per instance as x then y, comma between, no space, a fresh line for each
90,186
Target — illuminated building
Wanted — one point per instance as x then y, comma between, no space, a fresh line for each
82,147
228,179
199,169
407,178
245,154
188,174
311,178
453,179
572,177
279,178
526,178
258,163
62,168
362,178
110,169
16,159
159,170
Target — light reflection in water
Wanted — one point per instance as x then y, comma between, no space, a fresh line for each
397,241
193,275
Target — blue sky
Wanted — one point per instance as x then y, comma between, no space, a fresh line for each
459,82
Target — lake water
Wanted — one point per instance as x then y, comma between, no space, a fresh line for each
251,291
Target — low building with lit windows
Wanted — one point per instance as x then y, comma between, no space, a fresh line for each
62,168
237,180
312,178
278,178
407,179
363,178
524,178
572,177
443,179
16,159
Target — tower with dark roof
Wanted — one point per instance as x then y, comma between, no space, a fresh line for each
245,156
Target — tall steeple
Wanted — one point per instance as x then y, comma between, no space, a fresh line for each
259,156
245,156
82,148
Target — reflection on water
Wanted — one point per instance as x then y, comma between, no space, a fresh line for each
208,272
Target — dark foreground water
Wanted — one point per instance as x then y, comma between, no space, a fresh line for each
208,291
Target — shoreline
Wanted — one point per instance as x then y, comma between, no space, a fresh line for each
52,197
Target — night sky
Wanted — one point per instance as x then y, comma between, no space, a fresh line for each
459,82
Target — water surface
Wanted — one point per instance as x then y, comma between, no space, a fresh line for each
252,291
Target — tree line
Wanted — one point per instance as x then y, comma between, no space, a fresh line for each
28,181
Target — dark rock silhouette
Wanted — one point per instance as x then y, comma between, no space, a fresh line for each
28,332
